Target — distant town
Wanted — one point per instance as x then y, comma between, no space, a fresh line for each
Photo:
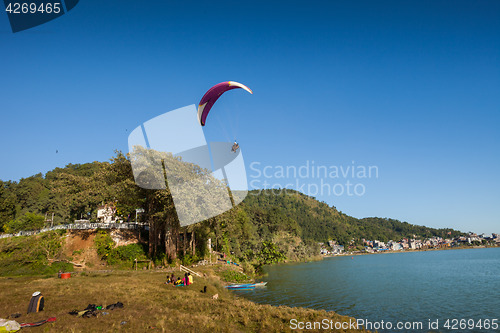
374,246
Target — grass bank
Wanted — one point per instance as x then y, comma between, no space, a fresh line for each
149,305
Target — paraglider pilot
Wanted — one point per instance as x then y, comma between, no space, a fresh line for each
235,147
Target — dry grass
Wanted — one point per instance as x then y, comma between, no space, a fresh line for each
149,305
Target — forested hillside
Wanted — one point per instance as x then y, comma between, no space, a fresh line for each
269,225
320,222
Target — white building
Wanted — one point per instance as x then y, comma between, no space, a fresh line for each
106,214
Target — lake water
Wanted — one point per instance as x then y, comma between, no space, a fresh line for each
394,287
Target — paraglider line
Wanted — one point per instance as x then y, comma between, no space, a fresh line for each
226,134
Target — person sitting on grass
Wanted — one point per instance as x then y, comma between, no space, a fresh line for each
178,282
190,278
186,279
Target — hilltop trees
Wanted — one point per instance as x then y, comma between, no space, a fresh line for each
73,192
7,202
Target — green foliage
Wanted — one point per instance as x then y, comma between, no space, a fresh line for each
50,244
32,255
7,202
159,258
189,259
248,268
126,253
319,222
29,221
73,192
53,268
270,254
234,276
106,249
104,244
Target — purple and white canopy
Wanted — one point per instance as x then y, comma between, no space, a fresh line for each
213,94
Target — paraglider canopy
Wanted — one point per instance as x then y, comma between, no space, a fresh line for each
213,94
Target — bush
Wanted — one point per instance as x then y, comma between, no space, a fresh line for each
114,255
160,258
270,254
234,276
104,244
248,268
126,253
55,267
50,244
188,259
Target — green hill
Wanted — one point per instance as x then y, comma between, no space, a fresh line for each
320,222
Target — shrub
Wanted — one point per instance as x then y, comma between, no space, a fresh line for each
234,276
104,244
115,255
270,254
188,259
160,258
126,253
248,268
56,267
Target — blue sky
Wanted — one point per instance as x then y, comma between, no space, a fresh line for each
409,87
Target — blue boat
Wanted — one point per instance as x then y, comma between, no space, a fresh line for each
246,286
241,286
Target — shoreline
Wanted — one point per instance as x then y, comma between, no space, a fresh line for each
323,257
413,251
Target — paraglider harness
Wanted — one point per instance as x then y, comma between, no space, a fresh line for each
235,147
36,302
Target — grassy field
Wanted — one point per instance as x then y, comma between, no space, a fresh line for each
149,305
